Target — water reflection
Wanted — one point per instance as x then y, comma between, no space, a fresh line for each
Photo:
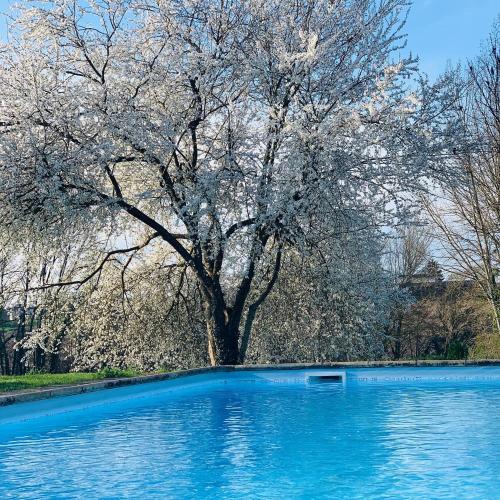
261,441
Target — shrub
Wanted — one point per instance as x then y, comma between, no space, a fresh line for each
456,350
116,372
486,346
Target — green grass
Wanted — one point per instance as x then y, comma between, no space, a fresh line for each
9,383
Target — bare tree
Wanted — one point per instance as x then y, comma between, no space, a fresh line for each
467,214
408,253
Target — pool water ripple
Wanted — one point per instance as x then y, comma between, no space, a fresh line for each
265,441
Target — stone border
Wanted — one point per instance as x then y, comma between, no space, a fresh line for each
23,396
71,390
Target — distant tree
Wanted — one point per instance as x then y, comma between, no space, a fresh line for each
444,321
7,293
28,303
406,256
433,270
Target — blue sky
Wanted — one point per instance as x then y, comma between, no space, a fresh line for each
448,30
438,30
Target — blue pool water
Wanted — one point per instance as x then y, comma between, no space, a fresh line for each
382,433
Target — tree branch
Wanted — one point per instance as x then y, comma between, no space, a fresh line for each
100,266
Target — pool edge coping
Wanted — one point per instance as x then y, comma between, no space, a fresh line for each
9,398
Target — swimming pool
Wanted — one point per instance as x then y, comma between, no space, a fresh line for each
362,433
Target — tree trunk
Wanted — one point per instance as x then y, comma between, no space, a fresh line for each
38,358
223,322
252,310
222,340
245,340
18,365
397,344
4,356
222,343
495,304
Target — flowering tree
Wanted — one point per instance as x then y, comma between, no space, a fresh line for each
231,131
331,305
33,313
